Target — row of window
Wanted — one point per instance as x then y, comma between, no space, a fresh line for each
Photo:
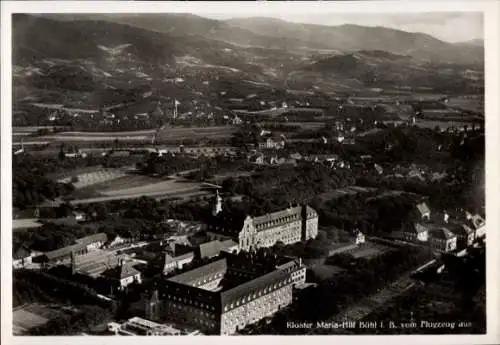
190,302
258,294
280,221
193,310
208,279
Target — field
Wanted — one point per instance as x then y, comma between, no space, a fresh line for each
471,103
32,315
368,250
167,133
136,186
21,224
340,192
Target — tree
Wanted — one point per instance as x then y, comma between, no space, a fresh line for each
61,152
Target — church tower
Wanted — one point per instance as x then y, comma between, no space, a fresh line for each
218,204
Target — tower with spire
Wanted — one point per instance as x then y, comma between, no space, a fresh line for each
218,204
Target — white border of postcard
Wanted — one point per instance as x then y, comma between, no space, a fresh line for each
491,11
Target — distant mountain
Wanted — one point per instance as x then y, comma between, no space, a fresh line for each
182,25
279,34
36,38
376,68
354,37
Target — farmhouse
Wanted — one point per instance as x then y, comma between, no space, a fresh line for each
122,275
413,232
173,262
477,223
93,242
274,142
82,246
464,233
442,239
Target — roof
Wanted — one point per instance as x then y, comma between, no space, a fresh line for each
228,244
423,208
170,258
188,277
441,233
289,214
476,221
460,229
210,249
121,272
252,286
61,252
100,237
21,253
417,227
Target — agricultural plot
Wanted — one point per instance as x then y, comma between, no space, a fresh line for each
167,133
166,186
96,177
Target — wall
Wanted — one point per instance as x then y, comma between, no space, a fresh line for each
287,233
255,310
312,228
204,319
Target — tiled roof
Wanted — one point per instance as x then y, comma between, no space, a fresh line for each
253,286
189,276
210,249
122,272
416,227
228,244
284,216
441,233
61,252
460,229
100,237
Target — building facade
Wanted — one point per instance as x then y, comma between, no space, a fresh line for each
442,239
291,225
226,295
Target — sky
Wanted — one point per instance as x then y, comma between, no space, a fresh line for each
446,26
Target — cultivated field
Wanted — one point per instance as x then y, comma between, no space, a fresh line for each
168,133
166,186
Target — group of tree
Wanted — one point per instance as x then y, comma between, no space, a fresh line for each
361,278
30,187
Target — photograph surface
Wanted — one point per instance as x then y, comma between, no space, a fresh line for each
230,174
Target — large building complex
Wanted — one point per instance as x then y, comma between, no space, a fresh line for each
227,294
291,225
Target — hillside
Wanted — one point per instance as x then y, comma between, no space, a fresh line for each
375,68
279,34
36,38
354,37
